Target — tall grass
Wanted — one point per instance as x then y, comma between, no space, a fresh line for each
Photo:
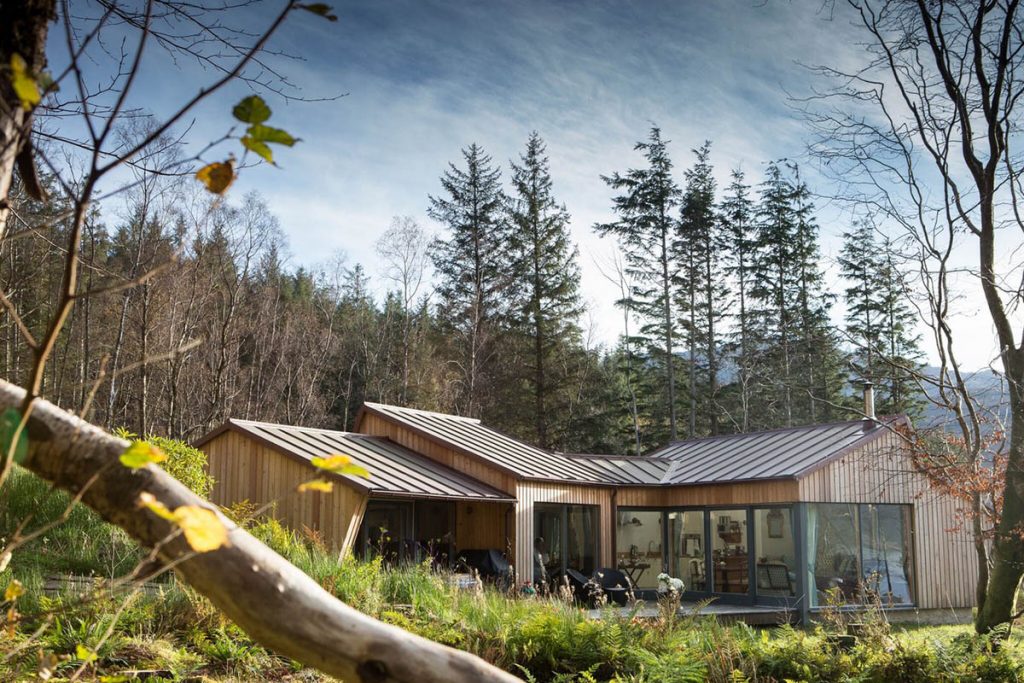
180,632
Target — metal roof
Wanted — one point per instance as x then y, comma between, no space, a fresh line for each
777,454
505,452
394,470
627,469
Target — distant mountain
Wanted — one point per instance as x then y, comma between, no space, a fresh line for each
986,387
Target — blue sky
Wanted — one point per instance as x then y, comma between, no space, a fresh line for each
423,79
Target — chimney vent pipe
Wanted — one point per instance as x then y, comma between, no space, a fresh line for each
869,401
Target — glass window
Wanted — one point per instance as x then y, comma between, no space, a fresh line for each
432,521
581,539
547,542
833,552
638,552
730,559
887,556
386,531
854,549
686,540
565,537
775,552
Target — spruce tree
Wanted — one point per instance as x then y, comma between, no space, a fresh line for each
645,229
701,289
797,363
738,253
546,263
879,322
473,270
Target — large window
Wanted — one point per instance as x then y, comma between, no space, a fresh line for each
686,538
565,537
774,552
856,551
730,555
638,540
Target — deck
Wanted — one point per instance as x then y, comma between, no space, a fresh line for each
755,615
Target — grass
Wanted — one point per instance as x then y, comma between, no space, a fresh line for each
180,635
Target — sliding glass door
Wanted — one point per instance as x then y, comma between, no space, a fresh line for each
565,537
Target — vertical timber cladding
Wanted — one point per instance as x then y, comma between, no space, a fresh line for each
482,525
530,492
246,470
881,472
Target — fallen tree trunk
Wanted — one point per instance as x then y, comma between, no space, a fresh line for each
278,605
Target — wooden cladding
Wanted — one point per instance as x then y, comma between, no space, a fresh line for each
881,472
246,470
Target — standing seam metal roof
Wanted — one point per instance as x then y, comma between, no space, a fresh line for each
394,469
777,454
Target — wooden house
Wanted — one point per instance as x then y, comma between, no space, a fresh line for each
781,518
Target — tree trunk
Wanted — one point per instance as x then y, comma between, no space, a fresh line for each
275,603
23,28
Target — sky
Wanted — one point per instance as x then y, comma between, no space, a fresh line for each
422,79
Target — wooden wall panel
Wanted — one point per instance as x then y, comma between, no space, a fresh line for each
484,525
744,493
881,472
244,469
529,493
375,425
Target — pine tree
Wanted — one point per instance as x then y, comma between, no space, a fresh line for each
702,294
645,230
546,262
472,267
797,363
879,322
739,251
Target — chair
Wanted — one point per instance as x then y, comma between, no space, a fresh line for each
774,576
615,584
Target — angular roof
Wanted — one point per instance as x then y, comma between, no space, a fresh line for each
394,470
504,452
787,453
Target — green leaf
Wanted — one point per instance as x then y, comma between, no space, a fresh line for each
140,454
276,136
252,110
258,147
25,86
9,421
318,8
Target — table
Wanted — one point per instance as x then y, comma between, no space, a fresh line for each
634,569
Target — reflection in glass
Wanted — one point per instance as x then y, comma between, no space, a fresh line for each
887,557
775,550
547,542
833,552
686,537
581,540
729,551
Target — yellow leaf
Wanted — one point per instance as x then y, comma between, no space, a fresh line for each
316,485
148,500
140,454
23,83
85,654
340,464
204,531
217,176
14,590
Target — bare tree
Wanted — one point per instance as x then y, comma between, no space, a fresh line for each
404,250
925,134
